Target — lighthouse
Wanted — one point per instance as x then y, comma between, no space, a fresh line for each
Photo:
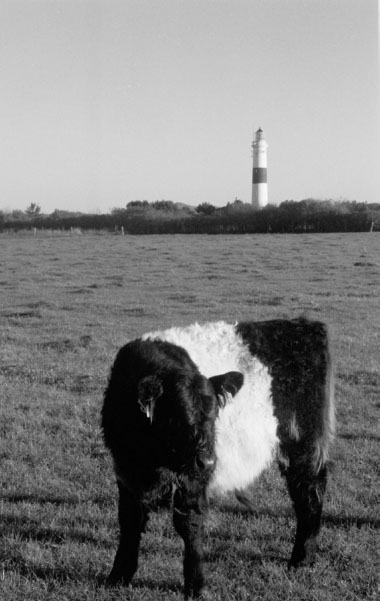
259,174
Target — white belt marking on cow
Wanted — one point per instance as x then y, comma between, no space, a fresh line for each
246,427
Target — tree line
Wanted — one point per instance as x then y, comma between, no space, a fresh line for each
167,217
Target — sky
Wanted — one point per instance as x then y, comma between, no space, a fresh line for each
107,101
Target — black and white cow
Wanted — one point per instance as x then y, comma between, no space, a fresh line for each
204,409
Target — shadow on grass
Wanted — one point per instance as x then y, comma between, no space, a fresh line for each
62,575
252,512
215,556
350,521
59,575
102,501
327,519
40,500
360,436
32,530
158,584
100,580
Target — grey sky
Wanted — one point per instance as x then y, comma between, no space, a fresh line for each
103,102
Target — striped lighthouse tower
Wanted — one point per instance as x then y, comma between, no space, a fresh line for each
259,175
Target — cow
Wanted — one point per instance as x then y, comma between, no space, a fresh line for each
202,410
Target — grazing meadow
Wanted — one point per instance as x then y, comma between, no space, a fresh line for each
68,303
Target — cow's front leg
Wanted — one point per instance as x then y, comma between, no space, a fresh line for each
188,519
132,520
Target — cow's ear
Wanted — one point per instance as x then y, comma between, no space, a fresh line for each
149,390
227,384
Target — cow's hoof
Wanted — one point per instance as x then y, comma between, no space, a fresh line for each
117,580
304,555
301,561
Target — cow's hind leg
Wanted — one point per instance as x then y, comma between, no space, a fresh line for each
132,520
188,518
306,487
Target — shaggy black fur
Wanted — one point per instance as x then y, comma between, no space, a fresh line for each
158,421
297,355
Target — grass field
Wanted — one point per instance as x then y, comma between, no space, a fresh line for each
67,305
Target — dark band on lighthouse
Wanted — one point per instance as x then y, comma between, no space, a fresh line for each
259,175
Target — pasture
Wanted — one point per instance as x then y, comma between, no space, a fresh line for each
68,304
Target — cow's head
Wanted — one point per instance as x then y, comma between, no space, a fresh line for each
181,408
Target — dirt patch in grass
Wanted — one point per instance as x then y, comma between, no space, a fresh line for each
134,311
66,345
23,314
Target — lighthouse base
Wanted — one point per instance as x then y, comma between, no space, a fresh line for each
259,196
